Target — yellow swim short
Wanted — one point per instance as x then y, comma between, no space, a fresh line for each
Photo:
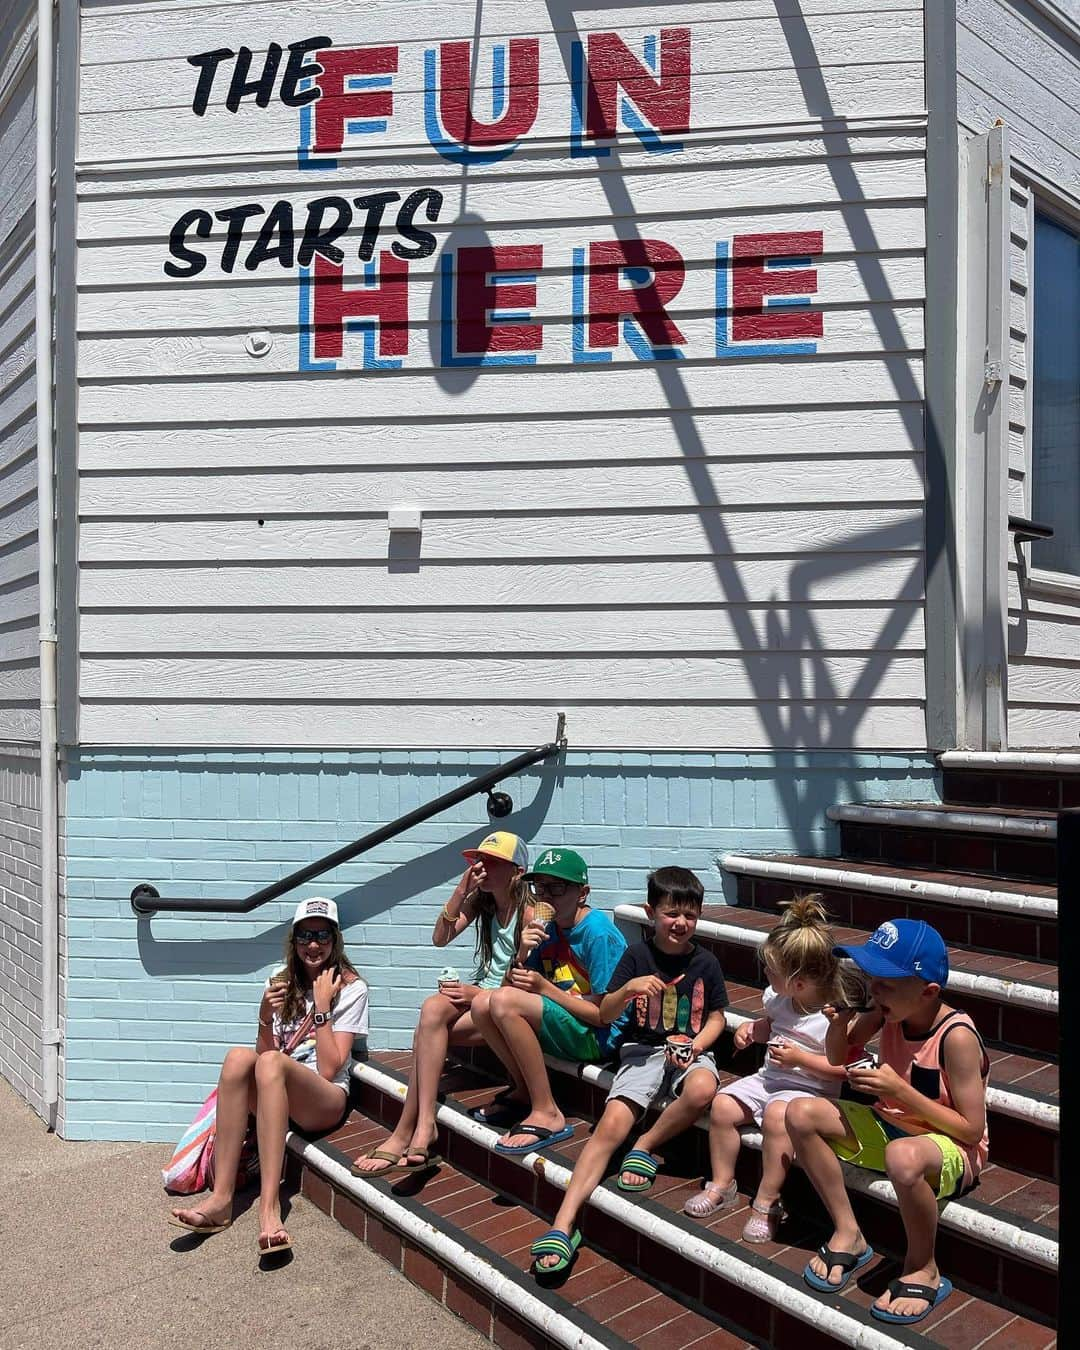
872,1133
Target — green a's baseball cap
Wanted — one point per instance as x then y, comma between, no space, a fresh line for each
563,863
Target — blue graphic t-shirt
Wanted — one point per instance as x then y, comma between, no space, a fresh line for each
580,961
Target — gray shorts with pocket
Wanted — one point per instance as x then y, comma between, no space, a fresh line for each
645,1073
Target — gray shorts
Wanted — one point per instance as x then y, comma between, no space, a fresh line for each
645,1073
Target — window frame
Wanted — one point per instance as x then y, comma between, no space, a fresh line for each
1041,200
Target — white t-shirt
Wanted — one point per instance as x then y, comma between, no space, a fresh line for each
807,1031
349,1013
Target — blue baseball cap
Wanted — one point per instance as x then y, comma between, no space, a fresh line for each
899,949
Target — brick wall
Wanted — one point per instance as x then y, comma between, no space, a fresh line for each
20,921
152,1005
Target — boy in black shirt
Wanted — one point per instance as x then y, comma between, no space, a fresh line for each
673,988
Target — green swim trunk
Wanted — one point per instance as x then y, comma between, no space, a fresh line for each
562,1034
873,1133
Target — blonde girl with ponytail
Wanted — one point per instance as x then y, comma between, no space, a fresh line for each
803,976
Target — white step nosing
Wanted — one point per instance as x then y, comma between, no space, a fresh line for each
1060,761
1017,1105
840,877
980,986
804,1306
958,820
500,1287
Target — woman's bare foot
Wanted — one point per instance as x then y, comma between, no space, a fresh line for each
273,1236
210,1213
366,1161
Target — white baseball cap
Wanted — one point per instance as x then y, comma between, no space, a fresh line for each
318,907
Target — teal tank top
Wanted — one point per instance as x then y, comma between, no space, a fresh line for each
503,950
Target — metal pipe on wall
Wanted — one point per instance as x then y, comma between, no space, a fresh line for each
43,337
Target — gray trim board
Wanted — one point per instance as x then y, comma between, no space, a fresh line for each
943,664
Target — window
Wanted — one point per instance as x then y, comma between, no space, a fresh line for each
1055,455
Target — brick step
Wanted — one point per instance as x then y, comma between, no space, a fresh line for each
650,1229
1049,780
464,1242
933,837
1019,918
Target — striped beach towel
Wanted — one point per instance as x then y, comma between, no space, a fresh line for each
190,1168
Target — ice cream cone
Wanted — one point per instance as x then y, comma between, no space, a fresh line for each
543,912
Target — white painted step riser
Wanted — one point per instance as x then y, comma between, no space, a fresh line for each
1029,761
955,822
977,986
838,877
688,1246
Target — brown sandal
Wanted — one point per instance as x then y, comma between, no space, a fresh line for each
392,1161
267,1245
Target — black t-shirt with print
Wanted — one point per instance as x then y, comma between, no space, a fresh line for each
684,1006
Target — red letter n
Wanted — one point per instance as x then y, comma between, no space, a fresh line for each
662,100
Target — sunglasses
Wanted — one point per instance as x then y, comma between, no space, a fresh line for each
555,889
305,935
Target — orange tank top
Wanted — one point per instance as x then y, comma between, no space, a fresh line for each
919,1060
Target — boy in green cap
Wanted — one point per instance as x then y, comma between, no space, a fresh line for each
552,1001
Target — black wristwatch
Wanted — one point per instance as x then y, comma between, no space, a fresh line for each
321,1017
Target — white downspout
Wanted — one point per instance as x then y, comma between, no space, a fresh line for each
43,340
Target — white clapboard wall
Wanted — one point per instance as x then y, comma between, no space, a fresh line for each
1014,64
19,719
681,554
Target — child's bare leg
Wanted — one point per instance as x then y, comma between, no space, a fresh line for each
517,1014
485,1023
235,1101
611,1130
727,1114
811,1123
416,1124
777,1152
914,1166
698,1090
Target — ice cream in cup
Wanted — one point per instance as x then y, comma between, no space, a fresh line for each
680,1049
448,976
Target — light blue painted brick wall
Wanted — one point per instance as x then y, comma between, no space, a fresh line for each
153,1005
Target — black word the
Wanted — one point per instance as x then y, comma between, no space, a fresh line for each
327,220
262,87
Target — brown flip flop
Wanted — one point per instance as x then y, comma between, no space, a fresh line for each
198,1227
392,1160
427,1159
267,1245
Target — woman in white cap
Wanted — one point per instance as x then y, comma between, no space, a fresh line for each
299,1069
491,893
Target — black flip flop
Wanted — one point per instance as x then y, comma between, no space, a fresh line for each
500,1112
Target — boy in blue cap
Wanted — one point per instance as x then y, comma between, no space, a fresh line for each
926,1128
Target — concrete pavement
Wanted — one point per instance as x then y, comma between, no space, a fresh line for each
88,1260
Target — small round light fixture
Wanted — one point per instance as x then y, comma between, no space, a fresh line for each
499,804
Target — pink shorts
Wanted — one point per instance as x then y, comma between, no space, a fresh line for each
755,1096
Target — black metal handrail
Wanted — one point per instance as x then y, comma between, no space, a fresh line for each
1029,529
146,899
